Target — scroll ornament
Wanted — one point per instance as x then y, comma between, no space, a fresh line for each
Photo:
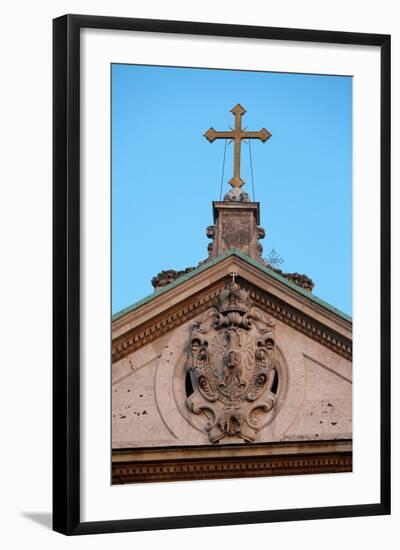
233,364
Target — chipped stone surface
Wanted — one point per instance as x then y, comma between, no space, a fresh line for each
148,394
135,417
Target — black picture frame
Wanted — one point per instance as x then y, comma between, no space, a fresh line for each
66,273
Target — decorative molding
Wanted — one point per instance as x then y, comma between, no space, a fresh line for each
193,306
302,322
180,470
299,279
137,338
166,277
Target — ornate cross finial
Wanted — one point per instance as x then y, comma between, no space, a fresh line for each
233,274
236,135
274,258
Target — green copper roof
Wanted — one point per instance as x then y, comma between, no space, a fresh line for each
251,261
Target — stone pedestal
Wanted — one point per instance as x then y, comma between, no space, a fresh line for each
236,225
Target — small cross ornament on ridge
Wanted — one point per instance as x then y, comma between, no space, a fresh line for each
233,274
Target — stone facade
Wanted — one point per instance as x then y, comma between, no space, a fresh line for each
150,393
232,357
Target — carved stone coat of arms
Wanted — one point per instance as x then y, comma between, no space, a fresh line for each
234,367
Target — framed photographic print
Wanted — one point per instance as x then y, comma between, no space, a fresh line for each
221,274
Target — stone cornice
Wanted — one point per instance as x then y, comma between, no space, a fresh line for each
208,266
175,316
304,323
180,304
230,461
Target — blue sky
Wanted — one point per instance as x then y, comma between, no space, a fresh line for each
165,174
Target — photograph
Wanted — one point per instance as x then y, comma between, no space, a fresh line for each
198,216
231,273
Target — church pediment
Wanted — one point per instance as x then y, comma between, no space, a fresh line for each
233,367
231,353
200,290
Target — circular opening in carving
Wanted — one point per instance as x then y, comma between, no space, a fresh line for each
188,385
275,384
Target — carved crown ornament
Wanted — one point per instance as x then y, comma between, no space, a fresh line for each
234,367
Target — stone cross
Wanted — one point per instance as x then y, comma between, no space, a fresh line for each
236,135
233,274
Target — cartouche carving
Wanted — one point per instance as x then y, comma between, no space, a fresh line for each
233,363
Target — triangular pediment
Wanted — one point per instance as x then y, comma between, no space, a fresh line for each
198,290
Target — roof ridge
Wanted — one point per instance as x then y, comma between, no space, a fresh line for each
207,264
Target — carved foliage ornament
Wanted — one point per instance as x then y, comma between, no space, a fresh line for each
233,364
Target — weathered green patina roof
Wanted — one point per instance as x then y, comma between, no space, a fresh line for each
246,258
